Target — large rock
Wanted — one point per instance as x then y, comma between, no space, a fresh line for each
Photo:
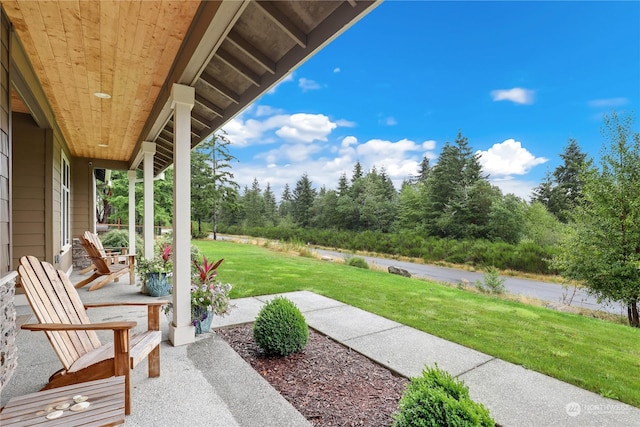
398,270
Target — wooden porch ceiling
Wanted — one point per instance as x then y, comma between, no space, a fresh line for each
230,51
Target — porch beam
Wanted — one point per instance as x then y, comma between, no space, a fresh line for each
209,106
237,65
220,87
241,43
282,21
182,101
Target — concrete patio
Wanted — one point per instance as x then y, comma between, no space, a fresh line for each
208,384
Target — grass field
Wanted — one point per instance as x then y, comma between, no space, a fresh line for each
593,354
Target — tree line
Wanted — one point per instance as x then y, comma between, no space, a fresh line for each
583,220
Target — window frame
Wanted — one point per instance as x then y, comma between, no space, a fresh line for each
65,199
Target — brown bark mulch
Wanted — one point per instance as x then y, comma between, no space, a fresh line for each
330,384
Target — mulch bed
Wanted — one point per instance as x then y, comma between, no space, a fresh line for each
330,384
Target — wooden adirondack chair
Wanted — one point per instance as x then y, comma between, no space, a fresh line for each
63,318
104,267
120,256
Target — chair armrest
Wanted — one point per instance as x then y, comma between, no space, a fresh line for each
105,326
153,310
124,303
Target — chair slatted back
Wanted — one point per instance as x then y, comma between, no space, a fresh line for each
99,260
53,299
93,238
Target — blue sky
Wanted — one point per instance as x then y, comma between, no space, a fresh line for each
517,78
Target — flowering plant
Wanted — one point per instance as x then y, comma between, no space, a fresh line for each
209,296
160,263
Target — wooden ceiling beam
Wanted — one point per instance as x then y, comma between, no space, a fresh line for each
224,90
164,154
282,21
235,63
241,43
200,119
209,105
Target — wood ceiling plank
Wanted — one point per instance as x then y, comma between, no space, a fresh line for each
125,80
59,70
90,13
72,25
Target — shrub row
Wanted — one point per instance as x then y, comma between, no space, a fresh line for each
526,256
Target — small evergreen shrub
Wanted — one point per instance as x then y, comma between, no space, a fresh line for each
438,399
280,328
358,262
493,283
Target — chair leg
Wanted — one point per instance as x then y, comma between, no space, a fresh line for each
88,269
101,283
154,362
93,277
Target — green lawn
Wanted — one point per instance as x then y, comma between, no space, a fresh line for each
593,354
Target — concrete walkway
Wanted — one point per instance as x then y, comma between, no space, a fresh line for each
208,384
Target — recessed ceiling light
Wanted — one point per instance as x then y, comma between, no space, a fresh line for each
103,145
102,95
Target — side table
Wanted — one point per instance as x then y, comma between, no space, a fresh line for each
105,397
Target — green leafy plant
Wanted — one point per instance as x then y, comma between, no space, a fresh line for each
493,283
160,263
280,328
209,296
438,399
358,262
118,239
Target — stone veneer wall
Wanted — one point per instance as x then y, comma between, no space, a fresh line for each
8,354
80,258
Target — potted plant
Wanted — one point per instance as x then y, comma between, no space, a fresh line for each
209,296
156,272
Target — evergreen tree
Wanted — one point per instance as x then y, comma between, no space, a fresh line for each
302,203
450,209
270,206
286,201
424,168
602,249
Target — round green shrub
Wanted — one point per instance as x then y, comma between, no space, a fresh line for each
358,262
118,239
438,399
280,328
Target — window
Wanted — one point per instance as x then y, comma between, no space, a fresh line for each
65,181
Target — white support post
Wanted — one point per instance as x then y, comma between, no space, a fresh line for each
182,100
132,211
149,149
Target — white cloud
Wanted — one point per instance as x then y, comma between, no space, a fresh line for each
336,70
608,102
287,78
390,121
306,128
520,188
429,145
265,110
299,127
508,158
345,123
307,84
517,95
